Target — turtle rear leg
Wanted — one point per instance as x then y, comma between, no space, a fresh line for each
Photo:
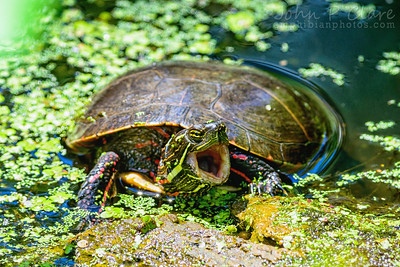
262,177
98,180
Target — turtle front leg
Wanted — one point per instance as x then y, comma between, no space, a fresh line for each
98,180
262,177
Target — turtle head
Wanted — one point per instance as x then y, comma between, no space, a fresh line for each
195,159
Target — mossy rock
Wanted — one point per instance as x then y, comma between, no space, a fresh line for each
174,242
260,215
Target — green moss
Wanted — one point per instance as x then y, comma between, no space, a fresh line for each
319,233
357,230
46,89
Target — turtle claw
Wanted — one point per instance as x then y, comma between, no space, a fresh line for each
271,185
84,224
86,221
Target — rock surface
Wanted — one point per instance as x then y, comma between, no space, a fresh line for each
176,243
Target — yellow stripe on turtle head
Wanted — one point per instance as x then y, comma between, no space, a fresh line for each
178,168
175,171
200,186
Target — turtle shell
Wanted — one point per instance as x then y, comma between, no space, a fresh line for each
277,119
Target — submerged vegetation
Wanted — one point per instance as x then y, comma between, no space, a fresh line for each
44,90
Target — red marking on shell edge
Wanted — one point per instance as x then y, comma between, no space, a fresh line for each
241,174
147,143
242,157
174,194
161,131
235,156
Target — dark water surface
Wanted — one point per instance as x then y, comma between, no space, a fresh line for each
336,41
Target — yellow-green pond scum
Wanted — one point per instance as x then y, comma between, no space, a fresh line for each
84,45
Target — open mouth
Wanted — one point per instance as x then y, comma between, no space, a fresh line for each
212,165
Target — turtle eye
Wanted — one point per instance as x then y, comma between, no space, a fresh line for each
196,135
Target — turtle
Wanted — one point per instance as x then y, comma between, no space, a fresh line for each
181,127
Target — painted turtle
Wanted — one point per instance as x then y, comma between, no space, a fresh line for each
183,127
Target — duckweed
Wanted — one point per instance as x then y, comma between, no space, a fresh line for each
359,11
285,27
382,125
285,47
43,91
319,233
207,209
390,64
240,21
316,70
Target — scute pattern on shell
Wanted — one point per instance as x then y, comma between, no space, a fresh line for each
264,115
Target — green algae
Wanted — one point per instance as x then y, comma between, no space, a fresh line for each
390,64
382,125
333,227
207,209
50,87
389,144
358,11
172,242
316,70
319,233
129,206
240,21
43,91
284,47
285,27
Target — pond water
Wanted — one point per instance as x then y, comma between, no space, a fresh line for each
337,41
348,45
335,130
